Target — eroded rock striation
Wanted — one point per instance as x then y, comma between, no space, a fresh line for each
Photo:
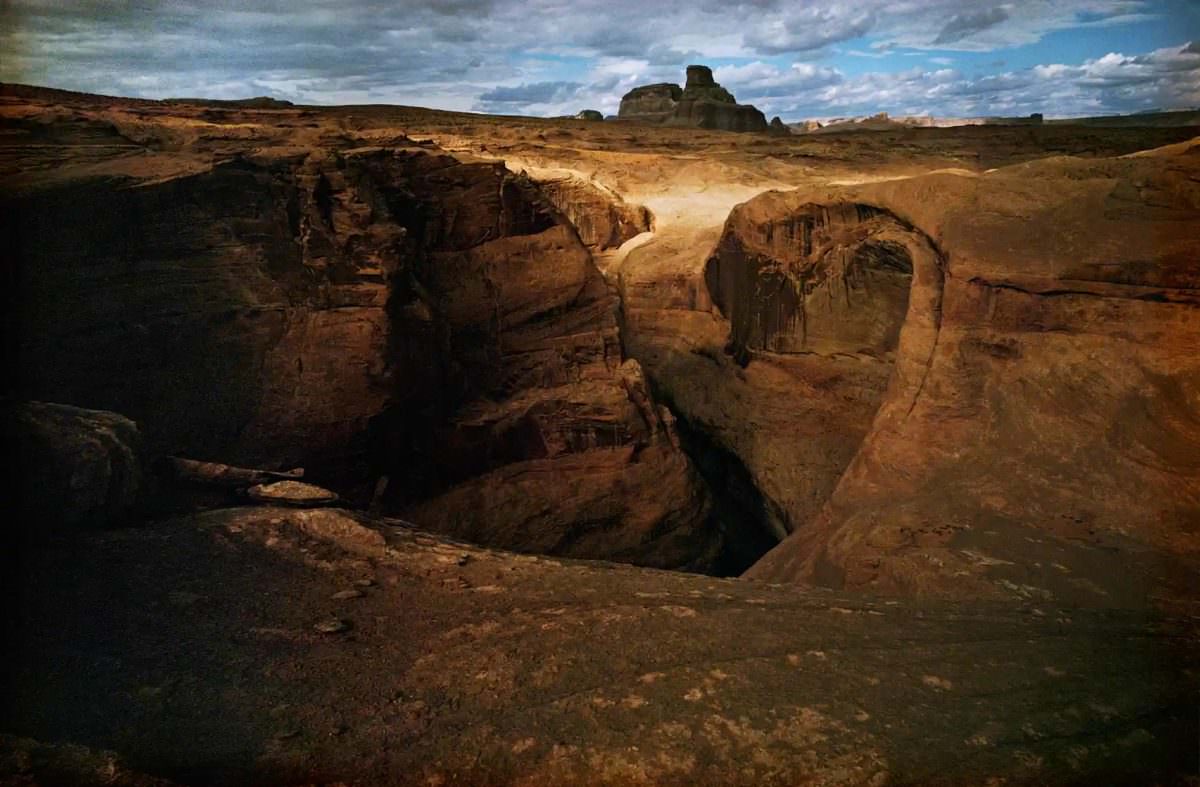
603,219
363,311
826,279
1040,427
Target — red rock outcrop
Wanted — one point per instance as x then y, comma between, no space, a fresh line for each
1040,430
363,311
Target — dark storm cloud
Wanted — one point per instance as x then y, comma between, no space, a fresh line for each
106,45
557,56
970,22
536,93
810,28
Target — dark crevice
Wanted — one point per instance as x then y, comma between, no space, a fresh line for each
740,511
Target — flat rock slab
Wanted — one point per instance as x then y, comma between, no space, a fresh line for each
292,493
511,669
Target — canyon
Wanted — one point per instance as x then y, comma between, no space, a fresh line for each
911,415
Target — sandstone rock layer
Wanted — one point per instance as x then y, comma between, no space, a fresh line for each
1043,414
360,310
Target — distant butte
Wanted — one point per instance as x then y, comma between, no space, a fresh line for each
701,103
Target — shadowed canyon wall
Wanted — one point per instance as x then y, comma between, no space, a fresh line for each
368,312
826,279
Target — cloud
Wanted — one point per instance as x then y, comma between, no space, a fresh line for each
808,28
968,23
1167,78
758,82
555,57
536,93
505,100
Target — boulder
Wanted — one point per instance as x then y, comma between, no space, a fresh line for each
77,467
292,493
589,114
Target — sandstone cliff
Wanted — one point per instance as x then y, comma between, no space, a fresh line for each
1042,414
363,310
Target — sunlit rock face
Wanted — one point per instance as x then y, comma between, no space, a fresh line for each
1042,419
367,312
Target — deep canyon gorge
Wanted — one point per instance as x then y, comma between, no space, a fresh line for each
911,416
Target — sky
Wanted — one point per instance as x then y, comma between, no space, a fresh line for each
794,58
